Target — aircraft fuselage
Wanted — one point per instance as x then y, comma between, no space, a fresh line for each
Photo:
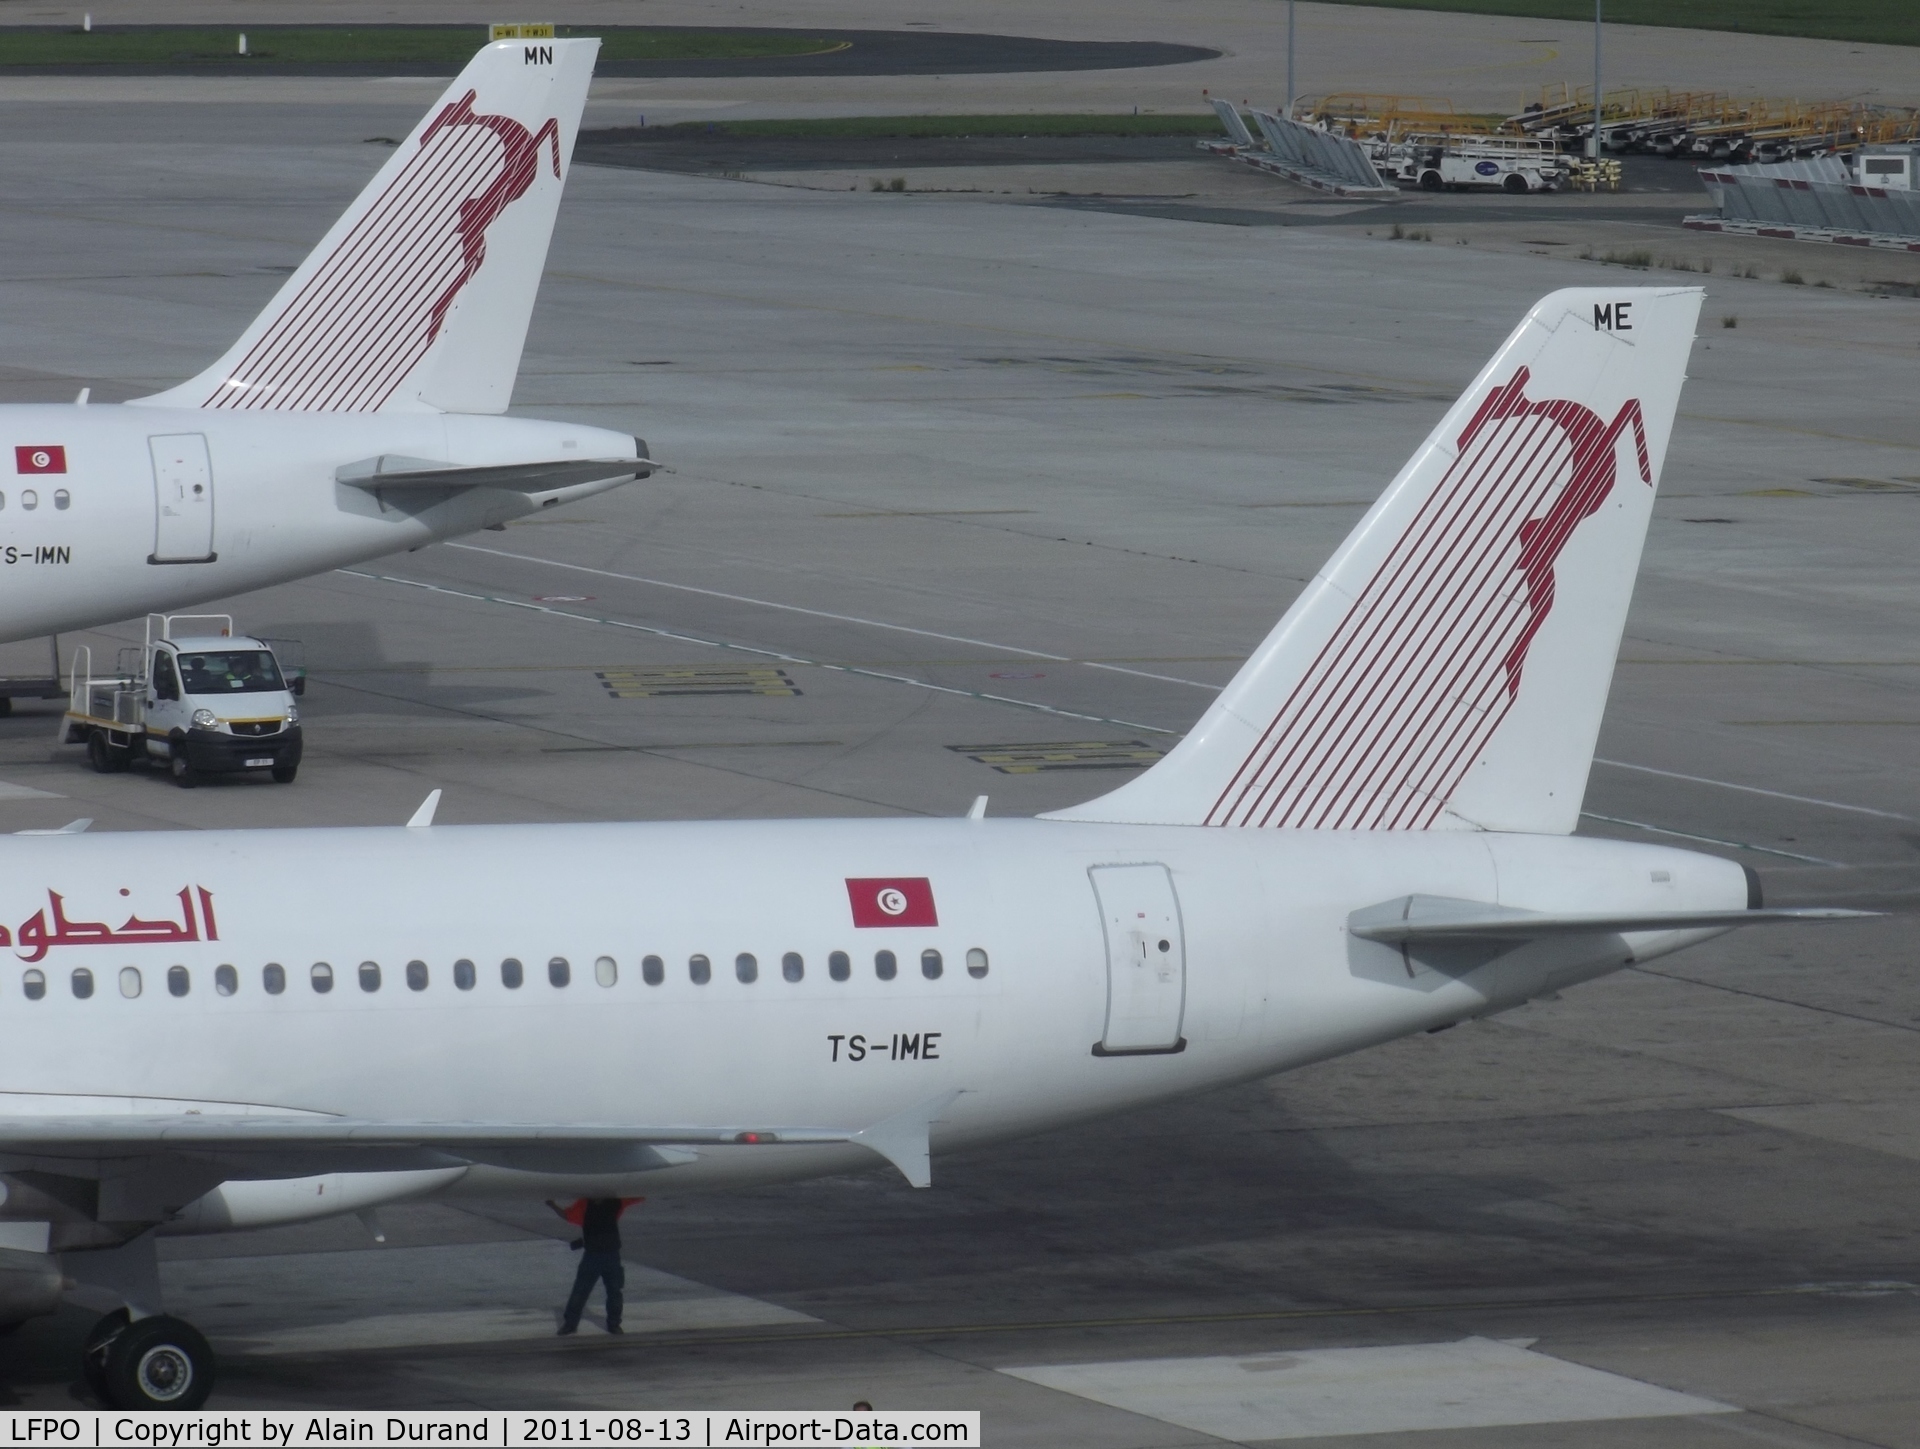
100,518
1258,973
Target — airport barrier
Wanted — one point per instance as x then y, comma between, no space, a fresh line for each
1324,160
1819,199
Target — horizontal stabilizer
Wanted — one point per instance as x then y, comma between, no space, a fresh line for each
387,473
1414,919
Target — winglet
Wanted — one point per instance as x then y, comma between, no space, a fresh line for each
423,817
72,827
902,1138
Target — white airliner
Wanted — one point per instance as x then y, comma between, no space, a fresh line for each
1367,836
357,416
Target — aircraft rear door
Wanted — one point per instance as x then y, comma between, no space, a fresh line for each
182,499
1146,960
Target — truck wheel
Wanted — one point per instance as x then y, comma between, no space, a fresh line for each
103,755
283,774
158,1363
1515,182
1429,180
184,775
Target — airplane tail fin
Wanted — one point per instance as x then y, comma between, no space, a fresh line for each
418,298
1448,667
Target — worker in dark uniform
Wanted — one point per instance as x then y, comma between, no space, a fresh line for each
598,1219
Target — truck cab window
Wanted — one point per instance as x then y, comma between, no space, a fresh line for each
231,671
166,683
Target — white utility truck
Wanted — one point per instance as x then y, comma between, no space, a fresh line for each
1476,163
202,701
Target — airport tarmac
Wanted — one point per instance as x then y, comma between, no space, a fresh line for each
988,499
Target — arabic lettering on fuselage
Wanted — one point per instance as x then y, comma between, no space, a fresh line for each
50,927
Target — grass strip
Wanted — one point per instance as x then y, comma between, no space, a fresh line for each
1885,22
368,44
950,127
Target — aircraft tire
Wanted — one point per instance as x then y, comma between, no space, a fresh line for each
158,1363
93,1353
284,774
184,775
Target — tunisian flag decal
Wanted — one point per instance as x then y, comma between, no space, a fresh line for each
50,459
895,901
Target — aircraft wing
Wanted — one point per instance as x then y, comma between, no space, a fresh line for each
389,472
262,1143
1413,919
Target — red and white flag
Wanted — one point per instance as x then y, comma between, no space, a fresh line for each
51,458
893,901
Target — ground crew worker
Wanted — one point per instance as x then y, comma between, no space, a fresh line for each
598,1219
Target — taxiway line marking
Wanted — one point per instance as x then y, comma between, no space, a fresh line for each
1751,790
823,614
1277,1315
761,653
1712,840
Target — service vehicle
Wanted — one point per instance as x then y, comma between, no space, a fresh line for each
199,703
1454,163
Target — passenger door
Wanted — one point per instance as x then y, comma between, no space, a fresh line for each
182,499
1146,960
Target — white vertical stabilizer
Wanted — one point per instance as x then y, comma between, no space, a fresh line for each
1448,667
418,298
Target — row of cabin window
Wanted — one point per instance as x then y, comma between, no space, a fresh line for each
30,499
606,971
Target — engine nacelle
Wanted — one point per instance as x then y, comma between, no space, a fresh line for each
30,1285
269,1202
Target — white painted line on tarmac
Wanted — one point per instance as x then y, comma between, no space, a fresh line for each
1752,790
1477,1383
11,791
826,614
780,655
1712,840
507,1325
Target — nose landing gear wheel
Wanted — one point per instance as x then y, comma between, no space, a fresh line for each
156,1363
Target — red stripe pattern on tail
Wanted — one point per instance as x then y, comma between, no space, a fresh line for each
1428,659
368,313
